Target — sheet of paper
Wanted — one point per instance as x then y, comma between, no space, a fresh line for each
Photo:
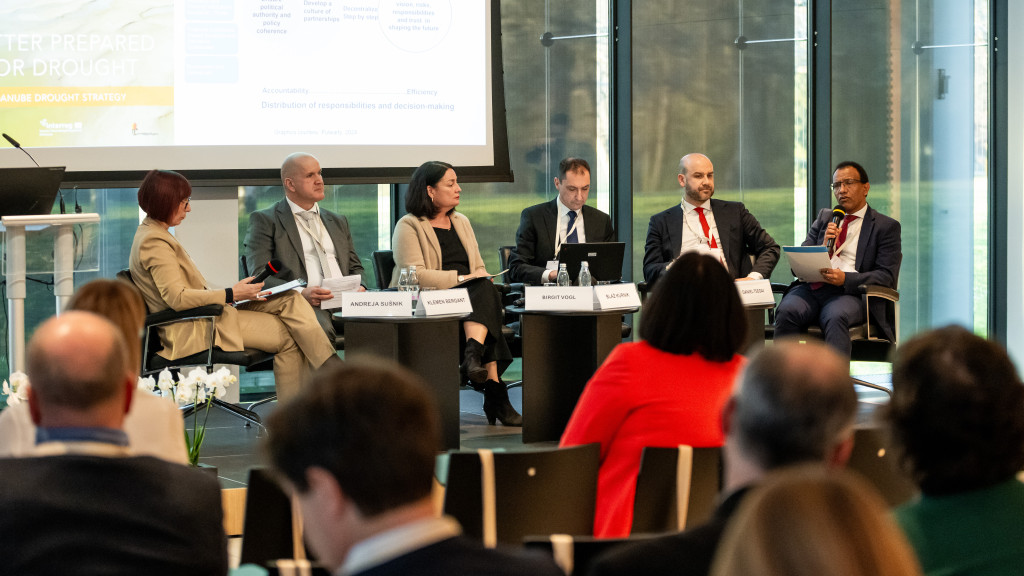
271,292
337,285
808,261
474,278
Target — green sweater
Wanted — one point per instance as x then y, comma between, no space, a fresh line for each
971,533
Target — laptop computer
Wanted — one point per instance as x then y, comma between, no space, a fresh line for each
29,191
604,258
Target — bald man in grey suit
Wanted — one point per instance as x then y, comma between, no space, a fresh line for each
281,232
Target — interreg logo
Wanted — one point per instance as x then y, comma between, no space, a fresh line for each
47,128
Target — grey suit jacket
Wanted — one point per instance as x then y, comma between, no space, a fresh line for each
741,235
273,234
535,239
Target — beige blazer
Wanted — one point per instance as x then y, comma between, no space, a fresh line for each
169,279
415,244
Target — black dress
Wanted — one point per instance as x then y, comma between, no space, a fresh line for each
483,295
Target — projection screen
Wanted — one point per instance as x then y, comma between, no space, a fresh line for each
223,90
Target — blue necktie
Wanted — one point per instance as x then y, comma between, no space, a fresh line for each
572,238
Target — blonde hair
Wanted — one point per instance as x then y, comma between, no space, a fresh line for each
809,520
120,303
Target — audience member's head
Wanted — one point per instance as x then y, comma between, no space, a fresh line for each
956,416
794,403
694,308
357,447
417,200
812,521
120,303
78,369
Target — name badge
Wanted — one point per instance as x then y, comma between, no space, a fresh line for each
370,304
560,298
552,265
755,292
615,296
441,302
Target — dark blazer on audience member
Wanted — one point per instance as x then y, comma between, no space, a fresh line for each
688,553
78,514
465,557
740,233
535,239
273,234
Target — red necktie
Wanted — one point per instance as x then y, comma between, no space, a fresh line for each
842,232
839,242
707,229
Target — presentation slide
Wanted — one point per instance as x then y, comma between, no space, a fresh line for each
235,85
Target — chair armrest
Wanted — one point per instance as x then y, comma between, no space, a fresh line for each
873,290
199,312
778,288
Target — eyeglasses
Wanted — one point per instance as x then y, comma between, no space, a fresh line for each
187,201
848,182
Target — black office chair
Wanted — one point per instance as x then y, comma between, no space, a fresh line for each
383,267
506,496
869,344
575,554
676,487
153,363
268,530
872,459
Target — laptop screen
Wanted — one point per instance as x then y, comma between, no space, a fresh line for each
604,259
29,191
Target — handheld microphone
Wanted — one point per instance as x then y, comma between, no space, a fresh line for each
273,268
18,146
837,216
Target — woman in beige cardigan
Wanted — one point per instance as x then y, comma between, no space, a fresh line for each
441,244
284,325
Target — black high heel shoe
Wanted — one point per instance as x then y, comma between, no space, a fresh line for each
472,362
497,405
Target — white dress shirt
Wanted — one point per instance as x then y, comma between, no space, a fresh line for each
845,256
386,546
314,276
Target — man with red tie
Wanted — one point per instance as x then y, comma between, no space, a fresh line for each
867,250
725,230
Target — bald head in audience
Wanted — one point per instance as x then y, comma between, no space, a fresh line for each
77,364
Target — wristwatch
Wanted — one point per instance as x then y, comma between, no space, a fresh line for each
461,278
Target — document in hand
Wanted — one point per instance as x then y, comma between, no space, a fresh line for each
808,261
271,292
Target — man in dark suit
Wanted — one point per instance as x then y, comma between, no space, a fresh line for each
795,404
867,250
726,230
356,448
312,243
543,228
82,504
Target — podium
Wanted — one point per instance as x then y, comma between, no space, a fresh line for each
16,230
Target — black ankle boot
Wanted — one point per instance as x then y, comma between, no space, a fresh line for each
472,362
497,406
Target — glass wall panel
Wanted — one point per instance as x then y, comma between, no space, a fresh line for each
728,79
910,102
556,101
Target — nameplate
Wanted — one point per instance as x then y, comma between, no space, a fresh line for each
755,292
369,304
560,298
615,296
441,302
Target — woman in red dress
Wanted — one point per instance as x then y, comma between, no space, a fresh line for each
665,390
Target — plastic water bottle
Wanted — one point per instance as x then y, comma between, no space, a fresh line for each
403,280
563,275
585,278
413,283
